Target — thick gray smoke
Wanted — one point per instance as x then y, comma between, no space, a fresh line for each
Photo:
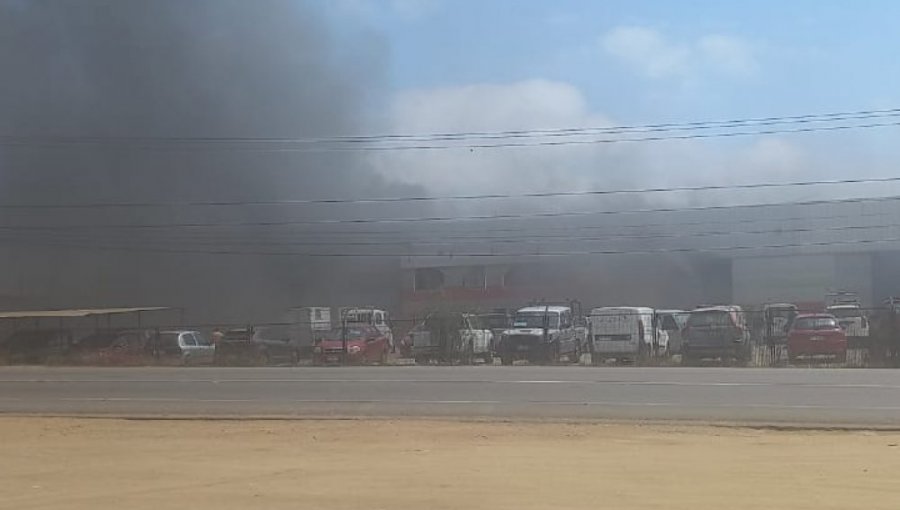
179,68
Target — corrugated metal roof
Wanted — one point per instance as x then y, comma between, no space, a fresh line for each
75,313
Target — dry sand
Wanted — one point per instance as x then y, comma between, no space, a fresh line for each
424,465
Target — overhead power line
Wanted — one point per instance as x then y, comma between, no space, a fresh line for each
556,253
506,145
275,146
485,196
448,219
449,241
468,135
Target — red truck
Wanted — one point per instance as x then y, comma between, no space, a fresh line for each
817,338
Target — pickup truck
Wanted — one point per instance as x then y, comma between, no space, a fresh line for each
542,334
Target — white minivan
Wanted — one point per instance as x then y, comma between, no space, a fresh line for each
625,332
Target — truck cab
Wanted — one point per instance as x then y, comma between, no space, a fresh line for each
542,334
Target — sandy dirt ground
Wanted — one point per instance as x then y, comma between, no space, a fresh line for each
399,465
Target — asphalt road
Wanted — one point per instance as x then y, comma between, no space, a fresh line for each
831,397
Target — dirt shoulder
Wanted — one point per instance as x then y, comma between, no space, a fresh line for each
107,463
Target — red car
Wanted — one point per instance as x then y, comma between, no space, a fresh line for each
817,337
365,344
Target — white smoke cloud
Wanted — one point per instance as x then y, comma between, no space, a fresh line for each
539,104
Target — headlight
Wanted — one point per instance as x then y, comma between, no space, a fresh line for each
353,349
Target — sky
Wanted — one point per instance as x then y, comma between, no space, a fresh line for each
493,65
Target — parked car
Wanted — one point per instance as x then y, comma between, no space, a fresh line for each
364,343
36,347
853,320
451,337
817,338
625,333
256,346
183,347
716,332
113,347
541,334
672,322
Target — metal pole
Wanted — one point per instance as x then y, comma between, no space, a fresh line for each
343,340
546,324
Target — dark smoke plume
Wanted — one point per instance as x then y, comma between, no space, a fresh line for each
180,68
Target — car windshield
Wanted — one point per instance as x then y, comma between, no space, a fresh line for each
359,318
669,322
536,320
815,323
845,313
715,318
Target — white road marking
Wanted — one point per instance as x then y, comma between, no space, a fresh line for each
455,381
466,402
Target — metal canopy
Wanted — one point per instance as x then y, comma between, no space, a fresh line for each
75,313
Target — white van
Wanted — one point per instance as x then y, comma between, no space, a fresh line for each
625,332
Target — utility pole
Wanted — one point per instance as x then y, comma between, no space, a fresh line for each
343,339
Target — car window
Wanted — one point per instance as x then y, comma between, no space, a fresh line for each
845,313
668,323
188,339
716,318
202,340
